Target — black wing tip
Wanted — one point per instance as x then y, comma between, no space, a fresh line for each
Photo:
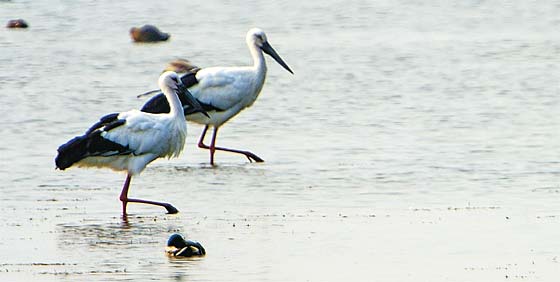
188,110
102,122
156,105
189,79
90,144
71,152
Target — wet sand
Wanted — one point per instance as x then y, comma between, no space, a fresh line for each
254,232
454,244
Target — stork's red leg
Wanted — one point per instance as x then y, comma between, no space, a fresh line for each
201,140
125,199
213,145
250,156
124,193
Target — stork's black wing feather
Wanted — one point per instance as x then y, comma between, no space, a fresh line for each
91,143
158,104
103,122
189,79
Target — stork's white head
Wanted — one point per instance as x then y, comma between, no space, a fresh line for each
256,37
169,79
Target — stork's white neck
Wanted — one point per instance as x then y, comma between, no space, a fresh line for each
259,63
175,108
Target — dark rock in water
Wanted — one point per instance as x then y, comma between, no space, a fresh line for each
19,23
148,33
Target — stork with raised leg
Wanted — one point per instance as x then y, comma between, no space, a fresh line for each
224,91
129,141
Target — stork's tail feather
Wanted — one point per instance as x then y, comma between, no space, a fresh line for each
71,152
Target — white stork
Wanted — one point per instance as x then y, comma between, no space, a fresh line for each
224,91
129,141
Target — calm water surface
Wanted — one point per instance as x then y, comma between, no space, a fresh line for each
415,142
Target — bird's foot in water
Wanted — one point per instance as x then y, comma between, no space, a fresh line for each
170,209
252,157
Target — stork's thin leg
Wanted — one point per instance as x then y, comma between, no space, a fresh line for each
125,199
204,146
250,156
201,140
213,145
124,193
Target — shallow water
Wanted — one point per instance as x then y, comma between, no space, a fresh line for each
415,142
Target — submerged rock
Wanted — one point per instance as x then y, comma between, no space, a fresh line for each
148,33
19,23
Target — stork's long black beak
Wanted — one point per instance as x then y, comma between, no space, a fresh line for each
191,101
270,51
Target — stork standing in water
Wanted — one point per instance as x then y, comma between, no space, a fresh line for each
224,91
129,141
